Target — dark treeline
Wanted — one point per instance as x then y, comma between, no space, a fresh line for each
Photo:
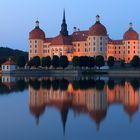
18,86
82,84
62,84
81,62
5,53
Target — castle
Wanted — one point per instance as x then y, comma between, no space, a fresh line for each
92,42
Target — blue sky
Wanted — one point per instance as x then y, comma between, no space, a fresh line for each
17,17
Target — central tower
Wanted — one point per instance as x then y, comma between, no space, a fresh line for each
64,30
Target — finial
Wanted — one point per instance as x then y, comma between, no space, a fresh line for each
131,25
37,24
97,18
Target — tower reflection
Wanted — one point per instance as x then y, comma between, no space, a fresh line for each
90,96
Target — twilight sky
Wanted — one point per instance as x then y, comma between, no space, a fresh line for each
17,17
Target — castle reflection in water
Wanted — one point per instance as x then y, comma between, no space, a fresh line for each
91,96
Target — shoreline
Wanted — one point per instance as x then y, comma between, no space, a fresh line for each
72,72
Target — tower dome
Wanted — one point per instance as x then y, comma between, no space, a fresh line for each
37,33
98,29
131,34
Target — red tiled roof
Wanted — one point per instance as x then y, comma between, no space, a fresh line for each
62,40
48,40
37,33
9,62
115,42
80,36
98,30
131,35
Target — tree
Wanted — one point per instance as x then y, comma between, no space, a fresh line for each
75,61
55,61
135,62
21,61
111,61
36,61
30,63
63,61
91,62
122,63
99,61
46,61
83,61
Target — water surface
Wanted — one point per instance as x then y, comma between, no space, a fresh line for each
69,108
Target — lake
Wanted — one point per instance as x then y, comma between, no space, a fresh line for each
69,108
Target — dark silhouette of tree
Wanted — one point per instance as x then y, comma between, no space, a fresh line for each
111,61
46,84
55,61
75,84
30,63
43,62
83,61
46,61
135,84
75,61
63,61
91,62
35,84
122,63
36,61
21,85
55,84
63,84
100,61
99,84
111,84
135,62
21,61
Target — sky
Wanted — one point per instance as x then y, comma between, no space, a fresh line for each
17,17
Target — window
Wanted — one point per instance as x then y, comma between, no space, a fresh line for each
35,41
94,43
94,49
134,51
30,51
3,67
35,51
78,44
101,49
35,46
128,52
78,50
7,67
101,43
128,47
101,38
128,42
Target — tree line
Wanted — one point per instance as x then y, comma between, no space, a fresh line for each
82,62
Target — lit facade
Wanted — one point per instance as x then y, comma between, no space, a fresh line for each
92,42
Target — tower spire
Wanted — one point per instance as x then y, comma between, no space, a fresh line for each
64,16
64,30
